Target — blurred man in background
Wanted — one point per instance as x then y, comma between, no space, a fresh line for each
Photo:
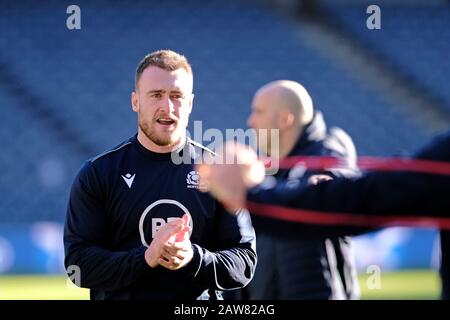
307,264
345,206
137,226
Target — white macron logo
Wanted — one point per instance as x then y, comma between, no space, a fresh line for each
129,179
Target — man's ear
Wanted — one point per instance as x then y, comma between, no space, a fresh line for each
286,120
191,102
134,101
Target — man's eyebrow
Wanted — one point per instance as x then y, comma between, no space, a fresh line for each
161,91
155,91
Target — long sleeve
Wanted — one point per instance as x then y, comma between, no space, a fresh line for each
442,153
371,198
232,264
85,239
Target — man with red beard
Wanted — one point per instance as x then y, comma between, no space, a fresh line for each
137,225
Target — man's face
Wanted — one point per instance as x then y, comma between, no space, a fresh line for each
163,101
263,116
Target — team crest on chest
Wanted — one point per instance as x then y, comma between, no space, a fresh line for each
193,181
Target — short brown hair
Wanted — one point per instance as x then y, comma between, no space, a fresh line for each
165,59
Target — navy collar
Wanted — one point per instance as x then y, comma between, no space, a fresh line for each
155,155
313,132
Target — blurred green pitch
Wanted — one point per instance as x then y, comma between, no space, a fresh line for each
415,284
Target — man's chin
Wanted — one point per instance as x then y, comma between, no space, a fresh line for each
163,139
167,141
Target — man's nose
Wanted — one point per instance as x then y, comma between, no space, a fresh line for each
250,121
167,105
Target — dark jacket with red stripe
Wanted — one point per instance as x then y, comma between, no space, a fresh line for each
321,267
375,195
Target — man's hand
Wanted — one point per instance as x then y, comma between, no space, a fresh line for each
164,237
177,252
236,169
318,178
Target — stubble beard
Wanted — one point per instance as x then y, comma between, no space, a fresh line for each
150,133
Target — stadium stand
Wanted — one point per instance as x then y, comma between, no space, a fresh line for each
65,94
415,41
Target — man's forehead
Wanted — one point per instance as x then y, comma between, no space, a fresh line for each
158,79
260,102
157,70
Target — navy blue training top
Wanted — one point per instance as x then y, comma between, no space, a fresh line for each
120,198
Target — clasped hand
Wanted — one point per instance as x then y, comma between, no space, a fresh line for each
171,247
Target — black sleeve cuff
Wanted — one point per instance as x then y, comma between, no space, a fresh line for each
193,267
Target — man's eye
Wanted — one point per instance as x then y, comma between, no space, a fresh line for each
157,95
177,96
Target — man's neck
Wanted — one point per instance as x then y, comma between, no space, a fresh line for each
150,145
288,141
